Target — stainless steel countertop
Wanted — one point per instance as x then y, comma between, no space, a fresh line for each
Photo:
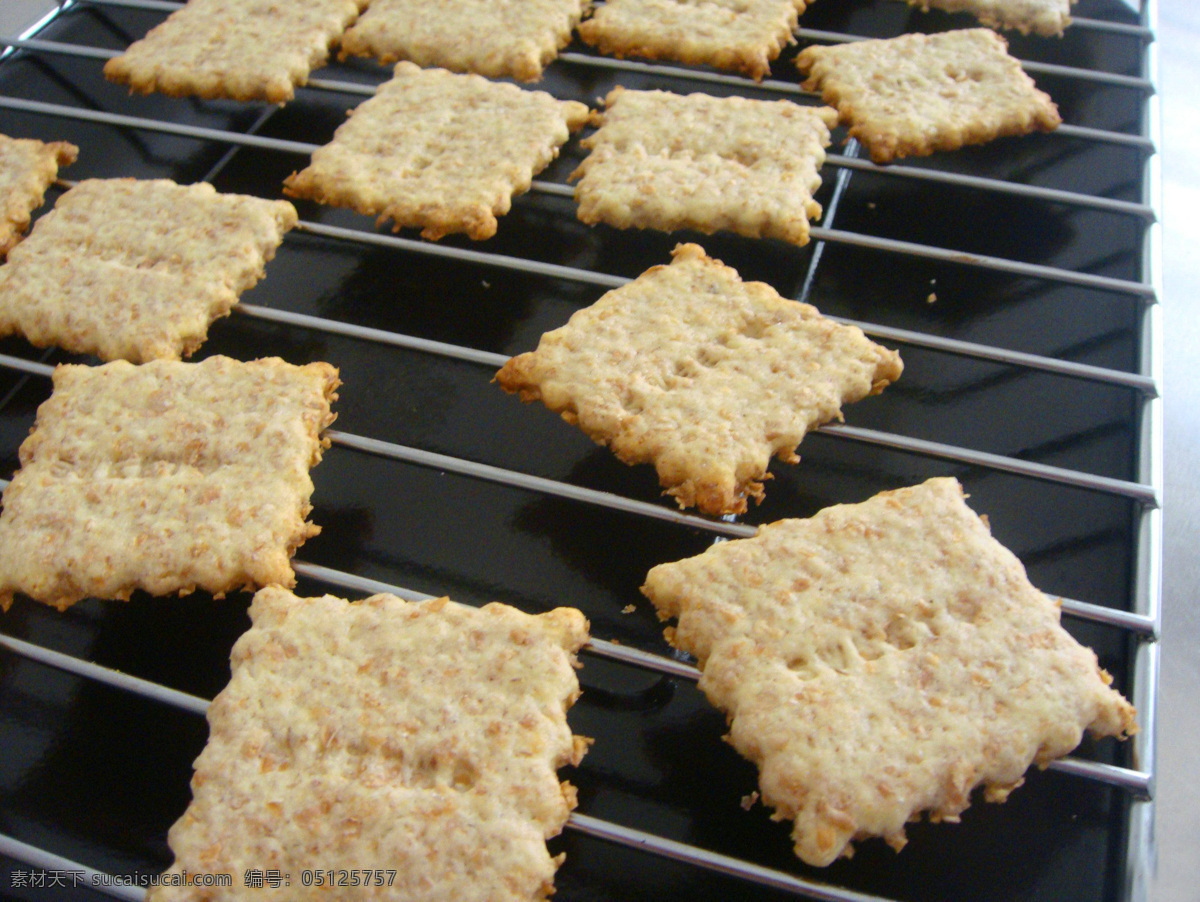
16,15
1178,796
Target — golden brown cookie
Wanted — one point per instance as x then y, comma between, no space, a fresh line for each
742,35
916,94
439,151
1044,17
668,161
497,38
415,743
165,477
138,270
701,374
883,659
27,169
238,49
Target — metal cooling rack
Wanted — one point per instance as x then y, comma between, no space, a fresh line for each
1138,622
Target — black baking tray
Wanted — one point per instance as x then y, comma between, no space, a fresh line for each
98,775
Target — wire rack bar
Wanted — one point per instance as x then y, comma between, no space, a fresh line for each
901,171
169,128
1148,547
776,86
719,78
106,675
657,69
344,580
981,261
1138,784
1140,31
1143,384
1144,626
488,472
26,366
57,47
366,333
340,87
156,5
1055,195
1136,31
722,864
1140,625
1094,75
1145,494
1108,78
1135,782
465,255
1099,134
533,483
637,839
998,264
602,648
1142,493
584,823
48,861
581,823
599,647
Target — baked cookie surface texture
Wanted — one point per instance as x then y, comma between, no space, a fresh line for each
916,94
417,743
701,374
883,659
165,477
137,270
27,169
742,35
669,161
236,49
497,38
1047,18
439,151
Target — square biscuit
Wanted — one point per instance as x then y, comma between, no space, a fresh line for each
701,374
1048,18
235,49
137,270
27,169
883,659
742,35
916,94
668,161
421,740
165,477
497,38
439,151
